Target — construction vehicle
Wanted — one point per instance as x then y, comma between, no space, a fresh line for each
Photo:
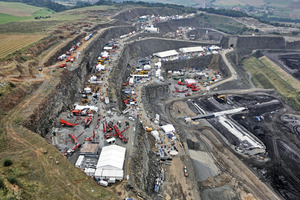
221,98
120,134
148,129
65,123
185,171
195,89
87,121
63,65
85,101
143,72
83,112
180,83
90,138
76,144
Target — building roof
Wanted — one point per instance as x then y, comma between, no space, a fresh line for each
112,157
169,128
191,49
89,148
165,54
214,47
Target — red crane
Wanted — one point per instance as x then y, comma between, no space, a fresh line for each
120,134
90,138
65,123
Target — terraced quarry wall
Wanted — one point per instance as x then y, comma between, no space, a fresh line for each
64,92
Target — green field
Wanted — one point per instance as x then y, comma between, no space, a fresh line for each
266,76
5,18
14,12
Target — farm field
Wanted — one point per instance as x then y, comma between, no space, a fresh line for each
11,43
13,12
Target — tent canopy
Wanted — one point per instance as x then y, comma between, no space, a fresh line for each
169,128
165,54
191,49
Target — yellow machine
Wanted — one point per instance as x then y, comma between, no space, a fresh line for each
85,101
222,98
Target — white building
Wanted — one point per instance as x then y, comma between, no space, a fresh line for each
171,54
152,29
155,134
196,49
168,129
79,161
111,162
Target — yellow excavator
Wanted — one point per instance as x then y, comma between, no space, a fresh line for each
221,98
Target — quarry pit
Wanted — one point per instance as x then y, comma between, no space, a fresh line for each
260,161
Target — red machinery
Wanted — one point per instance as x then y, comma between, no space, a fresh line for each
90,138
82,112
88,121
191,86
65,123
107,131
120,134
195,89
180,83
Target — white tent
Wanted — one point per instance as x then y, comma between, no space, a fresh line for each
107,48
147,67
165,54
110,163
87,90
168,129
155,134
79,161
117,174
90,171
214,47
104,54
100,67
151,29
157,73
112,157
191,49
158,64
190,81
79,107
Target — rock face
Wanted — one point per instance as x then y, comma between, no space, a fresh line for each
246,44
58,101
143,166
64,93
140,49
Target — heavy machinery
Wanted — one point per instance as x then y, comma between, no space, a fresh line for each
85,101
92,137
82,112
76,144
221,98
120,134
65,123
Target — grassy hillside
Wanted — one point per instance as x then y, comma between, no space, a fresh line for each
13,12
267,75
